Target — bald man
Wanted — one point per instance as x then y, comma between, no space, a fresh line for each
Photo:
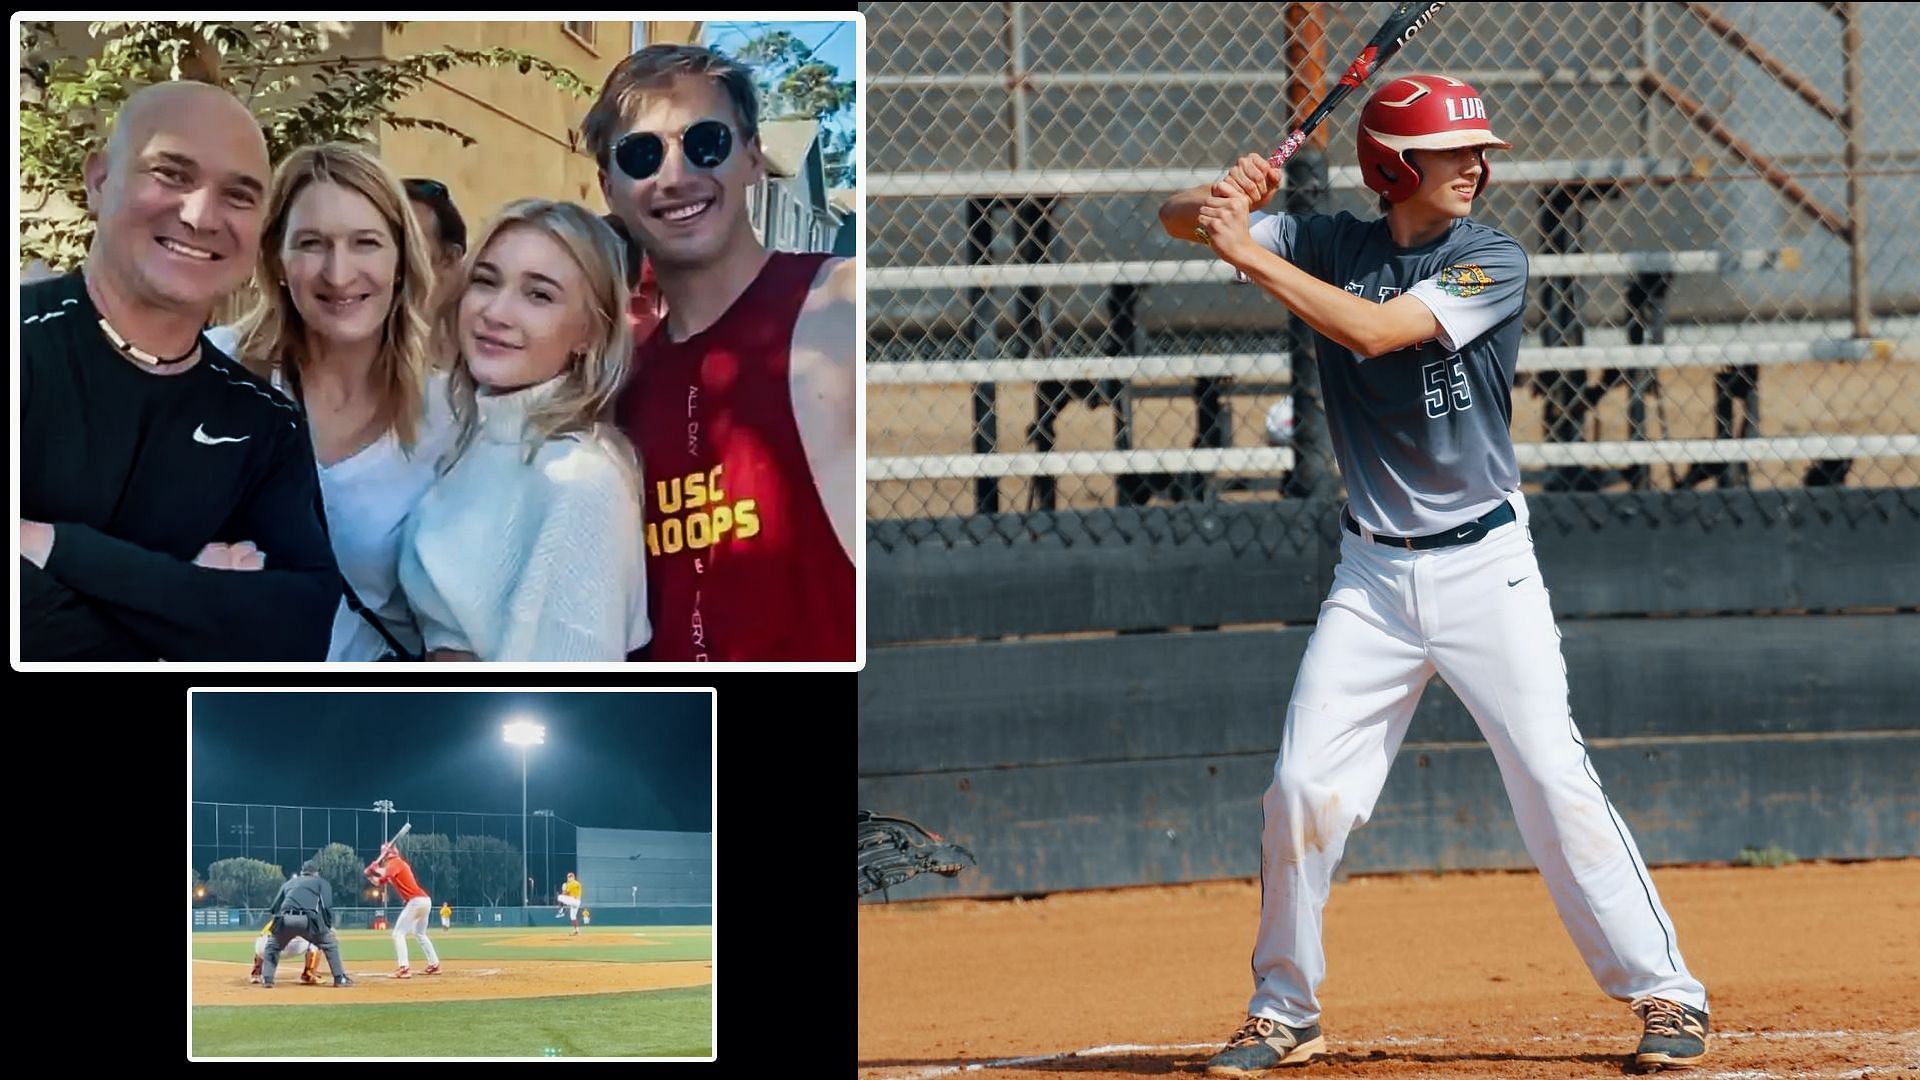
170,508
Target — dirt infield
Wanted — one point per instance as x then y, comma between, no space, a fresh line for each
1813,971
218,982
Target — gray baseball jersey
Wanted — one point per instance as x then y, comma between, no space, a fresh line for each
1421,433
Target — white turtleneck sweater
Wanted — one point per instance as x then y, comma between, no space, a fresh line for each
515,561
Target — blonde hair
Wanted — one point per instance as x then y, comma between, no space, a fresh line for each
273,335
583,403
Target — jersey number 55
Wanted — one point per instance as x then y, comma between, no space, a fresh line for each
1446,384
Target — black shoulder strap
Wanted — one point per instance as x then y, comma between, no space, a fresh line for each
353,601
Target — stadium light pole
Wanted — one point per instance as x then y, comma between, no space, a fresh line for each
548,814
524,733
385,806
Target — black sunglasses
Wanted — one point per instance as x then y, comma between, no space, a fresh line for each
706,145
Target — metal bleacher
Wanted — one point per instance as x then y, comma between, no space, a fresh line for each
1562,186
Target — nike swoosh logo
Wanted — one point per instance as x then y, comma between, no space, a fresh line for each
1463,534
1517,581
200,436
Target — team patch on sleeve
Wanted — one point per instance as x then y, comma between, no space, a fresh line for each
1465,279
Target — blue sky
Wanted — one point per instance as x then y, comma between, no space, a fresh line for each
832,42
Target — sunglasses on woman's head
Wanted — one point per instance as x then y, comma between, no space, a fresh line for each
706,145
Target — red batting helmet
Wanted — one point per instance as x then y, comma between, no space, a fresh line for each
1420,112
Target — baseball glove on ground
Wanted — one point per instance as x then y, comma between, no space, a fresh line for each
892,850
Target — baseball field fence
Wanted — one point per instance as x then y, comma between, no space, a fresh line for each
470,860
1101,500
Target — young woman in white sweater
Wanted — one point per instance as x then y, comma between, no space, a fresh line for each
342,326
528,545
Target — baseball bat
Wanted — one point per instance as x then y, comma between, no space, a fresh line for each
1393,35
384,848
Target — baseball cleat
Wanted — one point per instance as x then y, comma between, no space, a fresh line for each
342,980
403,973
432,969
1676,1035
309,980
266,984
1263,1044
254,978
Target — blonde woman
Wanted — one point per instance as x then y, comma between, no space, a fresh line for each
528,545
343,327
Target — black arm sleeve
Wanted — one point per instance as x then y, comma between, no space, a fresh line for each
185,612
57,623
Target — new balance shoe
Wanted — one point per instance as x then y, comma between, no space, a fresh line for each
1263,1044
1675,1038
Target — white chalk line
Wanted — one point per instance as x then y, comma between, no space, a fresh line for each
1848,1075
1041,1059
1418,1040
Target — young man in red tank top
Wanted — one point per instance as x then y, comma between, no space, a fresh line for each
742,401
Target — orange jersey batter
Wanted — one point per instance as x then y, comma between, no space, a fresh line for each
400,876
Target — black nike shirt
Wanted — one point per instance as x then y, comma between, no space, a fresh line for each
137,472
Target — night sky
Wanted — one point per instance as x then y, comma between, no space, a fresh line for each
611,760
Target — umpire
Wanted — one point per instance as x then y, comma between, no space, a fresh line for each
304,909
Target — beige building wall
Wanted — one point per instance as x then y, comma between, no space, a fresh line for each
527,129
679,33
524,126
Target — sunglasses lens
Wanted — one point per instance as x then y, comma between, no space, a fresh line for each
639,154
707,144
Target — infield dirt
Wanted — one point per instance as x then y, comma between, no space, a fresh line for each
1813,971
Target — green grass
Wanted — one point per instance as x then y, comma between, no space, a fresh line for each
657,1023
1771,855
653,1023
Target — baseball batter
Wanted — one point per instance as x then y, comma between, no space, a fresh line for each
570,901
392,867
1418,320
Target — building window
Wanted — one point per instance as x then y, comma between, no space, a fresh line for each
581,32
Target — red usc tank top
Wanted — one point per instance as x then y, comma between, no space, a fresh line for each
742,560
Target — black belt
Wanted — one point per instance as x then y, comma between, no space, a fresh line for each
1455,537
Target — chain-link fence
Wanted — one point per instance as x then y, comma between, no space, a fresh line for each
462,858
1718,200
